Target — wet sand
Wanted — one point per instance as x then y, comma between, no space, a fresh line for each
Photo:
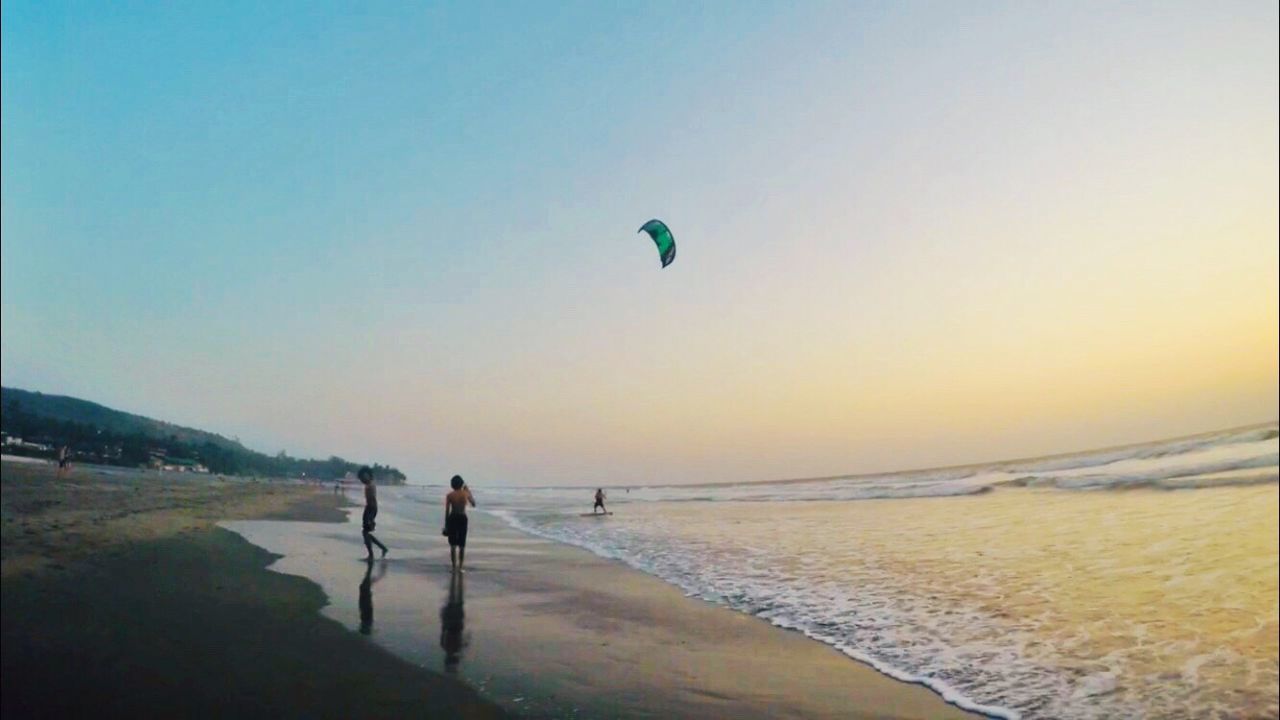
122,599
546,629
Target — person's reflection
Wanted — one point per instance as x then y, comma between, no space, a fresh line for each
452,624
366,595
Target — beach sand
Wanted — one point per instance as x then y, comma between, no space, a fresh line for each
122,599
549,630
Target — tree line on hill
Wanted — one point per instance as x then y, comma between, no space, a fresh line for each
36,424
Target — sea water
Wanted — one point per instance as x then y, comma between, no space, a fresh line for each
1131,582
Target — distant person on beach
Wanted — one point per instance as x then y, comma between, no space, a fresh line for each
455,520
64,461
370,511
599,502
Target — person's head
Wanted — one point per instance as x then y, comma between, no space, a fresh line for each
365,474
456,482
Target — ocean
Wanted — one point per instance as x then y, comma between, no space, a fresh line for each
1129,582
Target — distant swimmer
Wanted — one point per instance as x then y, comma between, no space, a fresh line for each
599,502
455,520
370,511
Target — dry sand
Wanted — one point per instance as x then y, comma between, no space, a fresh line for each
47,523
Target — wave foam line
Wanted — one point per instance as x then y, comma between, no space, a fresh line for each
947,692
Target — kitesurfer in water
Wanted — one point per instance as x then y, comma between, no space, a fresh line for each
599,502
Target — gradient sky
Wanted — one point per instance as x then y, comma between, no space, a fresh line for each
910,234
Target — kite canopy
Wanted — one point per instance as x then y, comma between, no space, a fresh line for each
663,238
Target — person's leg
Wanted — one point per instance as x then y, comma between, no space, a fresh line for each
368,545
453,556
463,521
379,544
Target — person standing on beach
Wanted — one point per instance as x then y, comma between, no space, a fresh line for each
599,502
64,461
370,511
455,520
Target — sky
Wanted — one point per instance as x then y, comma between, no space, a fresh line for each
910,234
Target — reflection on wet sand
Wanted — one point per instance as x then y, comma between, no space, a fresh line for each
366,595
453,624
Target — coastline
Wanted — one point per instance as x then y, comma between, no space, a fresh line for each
121,598
548,629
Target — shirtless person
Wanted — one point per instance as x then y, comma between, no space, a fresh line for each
599,502
370,511
64,461
455,520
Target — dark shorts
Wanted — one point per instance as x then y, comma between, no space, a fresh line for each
369,524
599,504
63,462
455,526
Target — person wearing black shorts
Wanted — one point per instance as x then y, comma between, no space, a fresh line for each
455,520
64,461
370,511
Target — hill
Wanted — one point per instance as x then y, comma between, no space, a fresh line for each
84,412
97,433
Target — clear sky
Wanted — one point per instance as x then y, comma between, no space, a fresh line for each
909,234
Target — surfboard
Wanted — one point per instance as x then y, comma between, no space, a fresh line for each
595,514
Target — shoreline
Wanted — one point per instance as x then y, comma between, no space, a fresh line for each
944,692
550,629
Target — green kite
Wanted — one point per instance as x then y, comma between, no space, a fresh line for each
663,238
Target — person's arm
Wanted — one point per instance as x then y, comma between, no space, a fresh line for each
471,498
446,510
